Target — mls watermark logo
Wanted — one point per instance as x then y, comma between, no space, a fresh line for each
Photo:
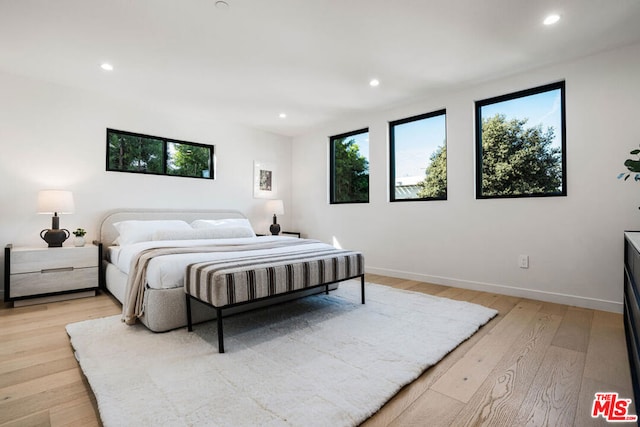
611,408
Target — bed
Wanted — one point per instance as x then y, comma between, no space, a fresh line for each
152,291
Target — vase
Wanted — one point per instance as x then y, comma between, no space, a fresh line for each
78,241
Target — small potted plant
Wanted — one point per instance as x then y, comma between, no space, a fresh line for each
79,239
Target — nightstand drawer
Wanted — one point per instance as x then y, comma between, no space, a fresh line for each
53,280
31,260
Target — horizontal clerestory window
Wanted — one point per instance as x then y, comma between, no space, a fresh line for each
138,153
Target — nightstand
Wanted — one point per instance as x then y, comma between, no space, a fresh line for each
38,275
292,233
284,233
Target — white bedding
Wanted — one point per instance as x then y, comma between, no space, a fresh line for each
166,272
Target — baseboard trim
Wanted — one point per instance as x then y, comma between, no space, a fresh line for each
555,297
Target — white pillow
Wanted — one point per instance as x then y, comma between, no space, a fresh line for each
204,233
223,223
142,231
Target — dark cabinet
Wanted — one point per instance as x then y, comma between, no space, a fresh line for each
632,306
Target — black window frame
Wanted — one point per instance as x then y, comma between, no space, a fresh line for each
563,143
165,155
392,152
332,168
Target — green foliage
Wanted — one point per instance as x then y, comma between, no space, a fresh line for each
351,172
434,184
189,160
633,165
135,154
517,160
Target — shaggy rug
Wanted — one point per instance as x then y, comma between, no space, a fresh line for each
320,360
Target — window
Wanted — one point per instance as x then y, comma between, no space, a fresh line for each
418,153
349,167
133,152
520,144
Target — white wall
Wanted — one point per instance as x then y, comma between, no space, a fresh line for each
55,137
575,243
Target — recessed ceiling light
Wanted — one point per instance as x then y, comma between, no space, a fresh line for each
220,4
551,19
282,115
374,82
107,67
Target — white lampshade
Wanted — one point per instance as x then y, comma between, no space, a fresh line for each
55,201
275,207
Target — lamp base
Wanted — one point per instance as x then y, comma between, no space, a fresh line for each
275,229
55,237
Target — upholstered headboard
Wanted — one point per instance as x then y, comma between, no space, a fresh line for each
108,232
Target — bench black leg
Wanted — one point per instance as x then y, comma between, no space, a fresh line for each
219,314
220,336
189,323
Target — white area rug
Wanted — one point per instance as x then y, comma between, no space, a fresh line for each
321,360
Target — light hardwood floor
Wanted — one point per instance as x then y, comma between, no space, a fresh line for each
536,364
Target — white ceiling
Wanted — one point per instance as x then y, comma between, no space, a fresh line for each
312,59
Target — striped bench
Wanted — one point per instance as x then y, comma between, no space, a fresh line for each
231,283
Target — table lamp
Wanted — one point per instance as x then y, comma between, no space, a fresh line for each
277,207
55,202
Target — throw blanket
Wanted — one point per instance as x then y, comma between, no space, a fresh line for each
132,307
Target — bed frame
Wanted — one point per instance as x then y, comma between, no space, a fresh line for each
166,309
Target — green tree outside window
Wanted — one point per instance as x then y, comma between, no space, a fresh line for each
418,155
349,169
135,153
132,152
188,160
519,160
434,184
520,144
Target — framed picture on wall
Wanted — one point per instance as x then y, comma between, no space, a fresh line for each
264,180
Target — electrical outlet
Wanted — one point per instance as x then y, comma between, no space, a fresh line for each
523,261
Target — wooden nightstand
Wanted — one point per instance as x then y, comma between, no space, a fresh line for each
37,275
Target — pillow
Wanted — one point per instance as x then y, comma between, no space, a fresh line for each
204,233
142,231
223,223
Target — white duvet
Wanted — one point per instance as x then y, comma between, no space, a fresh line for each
165,272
